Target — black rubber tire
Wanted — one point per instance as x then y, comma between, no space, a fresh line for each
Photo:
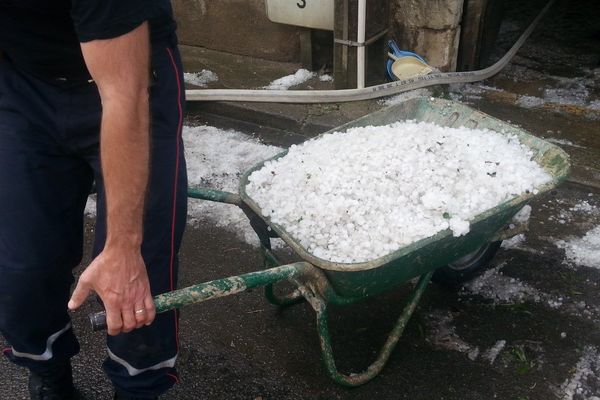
466,268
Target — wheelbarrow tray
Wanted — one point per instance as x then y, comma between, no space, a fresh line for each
357,280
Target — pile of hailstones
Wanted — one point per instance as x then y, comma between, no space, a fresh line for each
358,195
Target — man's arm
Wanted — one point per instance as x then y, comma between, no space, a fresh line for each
120,67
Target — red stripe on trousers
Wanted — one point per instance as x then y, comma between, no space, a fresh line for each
177,136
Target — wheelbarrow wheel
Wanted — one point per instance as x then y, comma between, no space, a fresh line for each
466,268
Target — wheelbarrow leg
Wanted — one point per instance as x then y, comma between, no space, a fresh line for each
357,379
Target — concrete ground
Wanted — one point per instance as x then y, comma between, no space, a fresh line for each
526,329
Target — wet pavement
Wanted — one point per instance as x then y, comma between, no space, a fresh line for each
526,329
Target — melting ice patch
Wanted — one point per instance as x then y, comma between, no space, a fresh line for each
442,334
202,78
493,352
585,250
284,83
514,242
585,380
530,101
501,289
569,91
494,285
217,159
567,214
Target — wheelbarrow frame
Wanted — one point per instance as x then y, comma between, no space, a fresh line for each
321,282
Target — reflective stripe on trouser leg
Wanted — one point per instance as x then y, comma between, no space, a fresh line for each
132,371
48,353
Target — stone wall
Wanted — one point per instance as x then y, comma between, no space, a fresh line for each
430,28
236,26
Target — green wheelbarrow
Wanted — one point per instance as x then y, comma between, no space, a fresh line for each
321,282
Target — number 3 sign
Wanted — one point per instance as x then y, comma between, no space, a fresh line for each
308,13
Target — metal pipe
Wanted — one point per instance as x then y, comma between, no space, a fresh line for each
372,92
360,38
357,379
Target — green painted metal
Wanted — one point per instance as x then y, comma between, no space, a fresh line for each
285,300
356,379
217,288
228,286
369,278
214,195
317,277
288,299
430,254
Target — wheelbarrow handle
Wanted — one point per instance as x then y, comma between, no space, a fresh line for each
214,289
218,196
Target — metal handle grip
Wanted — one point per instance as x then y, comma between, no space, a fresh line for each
98,321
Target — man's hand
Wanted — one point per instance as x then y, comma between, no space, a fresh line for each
121,67
119,277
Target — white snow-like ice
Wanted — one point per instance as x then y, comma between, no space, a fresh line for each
568,91
568,214
585,208
559,90
530,101
514,242
284,83
493,352
585,250
216,159
358,195
523,215
588,366
494,285
201,78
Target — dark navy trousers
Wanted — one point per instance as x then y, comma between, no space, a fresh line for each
49,159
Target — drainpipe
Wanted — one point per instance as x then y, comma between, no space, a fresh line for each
360,38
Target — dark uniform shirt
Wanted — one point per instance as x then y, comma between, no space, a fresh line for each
42,36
